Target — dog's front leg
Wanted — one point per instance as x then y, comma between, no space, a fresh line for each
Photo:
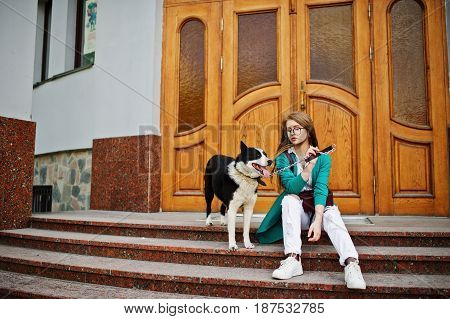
248,212
232,211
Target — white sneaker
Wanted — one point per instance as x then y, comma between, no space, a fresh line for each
353,276
289,268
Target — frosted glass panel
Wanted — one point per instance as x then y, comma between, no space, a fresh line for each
191,112
331,45
408,63
257,50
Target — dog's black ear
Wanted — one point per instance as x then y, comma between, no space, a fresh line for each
261,182
243,148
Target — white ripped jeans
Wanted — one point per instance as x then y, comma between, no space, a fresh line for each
295,219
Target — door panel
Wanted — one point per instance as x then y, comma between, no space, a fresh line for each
411,129
189,115
335,84
256,79
339,126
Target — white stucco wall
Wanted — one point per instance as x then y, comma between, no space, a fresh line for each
118,95
17,38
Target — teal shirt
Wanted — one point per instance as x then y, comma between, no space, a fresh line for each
271,229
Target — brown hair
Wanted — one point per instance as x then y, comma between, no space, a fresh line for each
306,122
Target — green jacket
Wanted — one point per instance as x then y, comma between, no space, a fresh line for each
271,228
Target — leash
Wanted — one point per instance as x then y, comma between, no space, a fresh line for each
328,150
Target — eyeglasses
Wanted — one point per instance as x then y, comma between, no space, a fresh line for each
295,130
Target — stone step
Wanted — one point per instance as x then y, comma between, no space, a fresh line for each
378,259
16,285
214,281
190,226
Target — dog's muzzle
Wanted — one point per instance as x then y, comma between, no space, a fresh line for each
263,171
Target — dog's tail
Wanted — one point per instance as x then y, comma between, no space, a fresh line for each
209,190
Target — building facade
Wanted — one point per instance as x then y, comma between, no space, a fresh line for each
129,99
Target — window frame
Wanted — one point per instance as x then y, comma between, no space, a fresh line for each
79,34
46,39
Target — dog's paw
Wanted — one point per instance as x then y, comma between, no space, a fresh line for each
223,221
208,221
249,246
233,247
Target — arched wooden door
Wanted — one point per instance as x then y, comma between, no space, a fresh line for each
371,73
334,83
256,79
410,85
190,108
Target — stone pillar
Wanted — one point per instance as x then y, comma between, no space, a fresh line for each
126,174
16,172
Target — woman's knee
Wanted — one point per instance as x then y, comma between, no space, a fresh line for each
290,199
332,219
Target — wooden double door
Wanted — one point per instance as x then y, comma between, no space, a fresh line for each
371,75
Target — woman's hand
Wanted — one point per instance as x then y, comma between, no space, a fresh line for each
311,151
316,230
309,166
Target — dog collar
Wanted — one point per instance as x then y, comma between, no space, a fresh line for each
235,166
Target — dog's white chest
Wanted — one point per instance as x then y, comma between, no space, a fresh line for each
246,185
246,192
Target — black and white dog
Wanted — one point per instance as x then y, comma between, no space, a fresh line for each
234,182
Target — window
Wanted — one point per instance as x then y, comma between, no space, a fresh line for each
65,37
85,37
43,28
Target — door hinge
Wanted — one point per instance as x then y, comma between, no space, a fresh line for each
221,63
370,53
370,10
374,185
221,24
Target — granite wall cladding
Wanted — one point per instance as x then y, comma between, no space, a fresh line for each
70,175
16,172
126,174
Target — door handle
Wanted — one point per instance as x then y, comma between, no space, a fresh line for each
302,96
